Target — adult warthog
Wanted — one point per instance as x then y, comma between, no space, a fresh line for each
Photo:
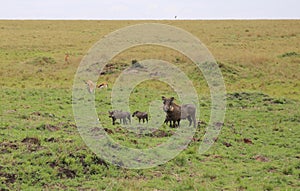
122,115
176,112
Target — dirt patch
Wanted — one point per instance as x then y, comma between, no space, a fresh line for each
216,156
64,172
6,147
201,123
95,160
134,141
196,139
100,161
248,141
56,186
11,111
249,96
9,178
111,68
49,127
41,61
225,68
31,140
253,99
97,129
227,144
51,139
215,139
72,125
36,113
53,164
33,144
159,133
261,158
246,96
66,125
119,130
109,131
219,125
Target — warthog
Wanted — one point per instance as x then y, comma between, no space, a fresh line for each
141,115
175,112
122,115
169,120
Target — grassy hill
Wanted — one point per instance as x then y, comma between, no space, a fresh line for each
257,149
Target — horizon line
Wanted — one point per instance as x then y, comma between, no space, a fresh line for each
150,19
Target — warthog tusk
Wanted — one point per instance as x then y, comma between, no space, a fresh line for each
171,108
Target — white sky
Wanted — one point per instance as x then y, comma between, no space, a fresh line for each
150,9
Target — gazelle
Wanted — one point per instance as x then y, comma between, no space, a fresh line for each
103,85
91,85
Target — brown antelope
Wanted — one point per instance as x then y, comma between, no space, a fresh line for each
103,85
90,86
67,56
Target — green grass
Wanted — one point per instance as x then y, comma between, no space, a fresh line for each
257,149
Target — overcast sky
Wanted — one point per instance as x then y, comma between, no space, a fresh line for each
150,9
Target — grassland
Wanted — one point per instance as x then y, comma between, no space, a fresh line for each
257,149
